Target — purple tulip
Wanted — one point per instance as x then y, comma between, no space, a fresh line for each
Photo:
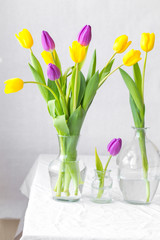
114,146
53,72
84,37
47,42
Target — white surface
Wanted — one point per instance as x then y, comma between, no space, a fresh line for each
26,129
47,219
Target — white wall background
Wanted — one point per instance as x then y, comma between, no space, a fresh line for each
26,129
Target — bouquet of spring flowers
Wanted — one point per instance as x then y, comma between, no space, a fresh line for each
68,94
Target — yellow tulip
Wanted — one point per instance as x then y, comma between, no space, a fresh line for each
121,44
13,85
132,57
25,38
77,52
47,57
147,41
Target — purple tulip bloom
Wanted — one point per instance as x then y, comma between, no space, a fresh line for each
114,146
47,42
84,37
53,72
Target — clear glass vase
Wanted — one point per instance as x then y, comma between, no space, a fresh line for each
101,187
67,173
139,169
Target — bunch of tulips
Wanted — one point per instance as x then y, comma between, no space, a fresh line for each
69,94
136,90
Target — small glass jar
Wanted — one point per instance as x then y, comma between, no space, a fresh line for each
101,187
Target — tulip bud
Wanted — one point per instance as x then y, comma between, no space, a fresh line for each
47,57
13,85
47,42
77,52
25,38
53,72
84,37
121,44
147,41
114,146
132,57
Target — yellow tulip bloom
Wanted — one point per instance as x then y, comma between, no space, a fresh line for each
77,52
47,57
25,38
13,85
147,41
132,57
121,44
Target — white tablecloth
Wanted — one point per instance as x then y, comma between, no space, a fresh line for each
47,219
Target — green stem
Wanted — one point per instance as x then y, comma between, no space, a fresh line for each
107,164
69,74
143,75
69,169
64,104
101,184
75,89
68,92
48,88
144,162
45,86
104,79
110,59
101,188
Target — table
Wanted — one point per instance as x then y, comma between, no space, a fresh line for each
47,219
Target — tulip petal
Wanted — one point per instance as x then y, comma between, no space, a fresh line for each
13,85
25,38
151,42
147,41
47,57
77,52
114,146
121,44
132,57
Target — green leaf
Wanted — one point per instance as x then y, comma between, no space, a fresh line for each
82,88
38,78
137,77
133,91
53,86
75,121
92,67
90,91
52,108
135,113
99,165
37,67
106,70
61,125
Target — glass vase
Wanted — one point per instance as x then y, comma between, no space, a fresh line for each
139,169
101,187
67,173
